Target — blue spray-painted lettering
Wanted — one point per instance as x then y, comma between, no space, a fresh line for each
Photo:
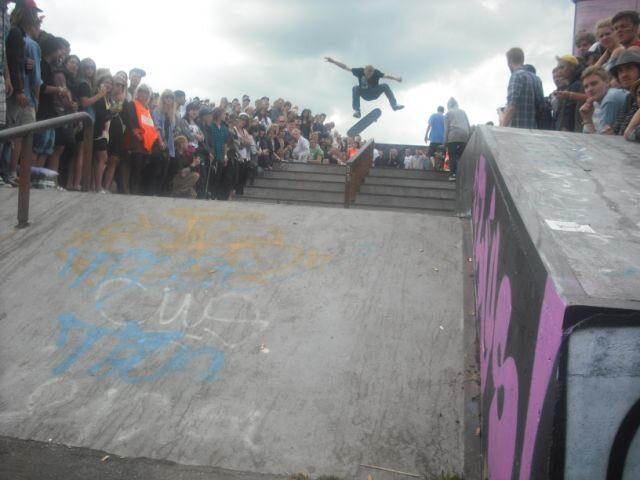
134,346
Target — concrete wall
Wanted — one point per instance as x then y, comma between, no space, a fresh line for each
520,326
603,385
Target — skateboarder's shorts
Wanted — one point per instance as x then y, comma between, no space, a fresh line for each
433,148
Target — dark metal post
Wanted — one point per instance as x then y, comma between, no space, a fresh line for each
24,187
27,132
87,157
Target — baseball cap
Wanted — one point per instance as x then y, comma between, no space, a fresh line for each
625,58
246,97
30,4
137,70
568,59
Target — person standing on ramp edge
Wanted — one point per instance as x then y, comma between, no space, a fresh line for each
368,86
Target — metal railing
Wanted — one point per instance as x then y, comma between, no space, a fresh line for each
25,165
357,169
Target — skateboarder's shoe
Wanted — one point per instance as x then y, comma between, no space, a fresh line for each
397,107
357,114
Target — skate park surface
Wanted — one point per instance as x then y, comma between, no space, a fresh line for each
266,339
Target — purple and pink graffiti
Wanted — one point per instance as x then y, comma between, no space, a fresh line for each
499,378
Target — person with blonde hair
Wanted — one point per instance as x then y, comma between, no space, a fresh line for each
608,41
103,114
115,147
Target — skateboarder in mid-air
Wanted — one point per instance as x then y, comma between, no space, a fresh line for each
368,85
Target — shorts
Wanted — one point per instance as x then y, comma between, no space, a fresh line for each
43,142
65,136
433,148
17,115
100,144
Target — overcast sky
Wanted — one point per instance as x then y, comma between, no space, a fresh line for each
213,48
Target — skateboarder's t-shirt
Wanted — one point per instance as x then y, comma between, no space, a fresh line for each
363,82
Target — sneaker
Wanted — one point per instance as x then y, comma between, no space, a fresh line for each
397,107
13,180
4,184
452,177
357,114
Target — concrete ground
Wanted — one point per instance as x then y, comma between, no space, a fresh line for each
255,338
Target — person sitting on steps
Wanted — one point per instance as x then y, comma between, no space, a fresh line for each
368,86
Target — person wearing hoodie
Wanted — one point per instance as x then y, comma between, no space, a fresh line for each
456,134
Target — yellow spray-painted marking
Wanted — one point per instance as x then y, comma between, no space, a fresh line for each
204,232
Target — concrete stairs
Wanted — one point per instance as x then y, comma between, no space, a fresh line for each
299,183
383,189
407,190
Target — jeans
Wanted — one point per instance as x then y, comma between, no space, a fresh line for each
372,93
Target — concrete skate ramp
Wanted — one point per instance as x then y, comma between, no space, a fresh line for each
555,221
270,339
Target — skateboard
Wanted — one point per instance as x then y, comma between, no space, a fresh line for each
364,122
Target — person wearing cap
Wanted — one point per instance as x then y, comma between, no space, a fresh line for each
523,94
570,98
135,77
603,104
246,101
5,78
21,105
632,131
181,104
626,71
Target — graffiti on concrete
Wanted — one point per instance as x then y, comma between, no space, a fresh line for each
513,401
134,349
185,284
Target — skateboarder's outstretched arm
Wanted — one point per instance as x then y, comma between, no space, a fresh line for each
337,63
393,77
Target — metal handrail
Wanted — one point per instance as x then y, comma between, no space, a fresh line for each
25,166
357,169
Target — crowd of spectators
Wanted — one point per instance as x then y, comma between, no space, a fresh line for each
144,141
160,143
597,88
